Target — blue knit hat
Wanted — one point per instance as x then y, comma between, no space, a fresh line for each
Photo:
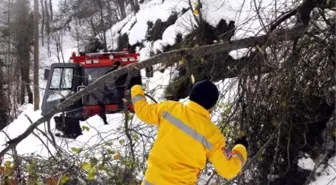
204,93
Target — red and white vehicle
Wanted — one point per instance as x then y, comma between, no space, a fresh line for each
64,79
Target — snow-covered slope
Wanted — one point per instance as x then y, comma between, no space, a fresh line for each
323,176
242,12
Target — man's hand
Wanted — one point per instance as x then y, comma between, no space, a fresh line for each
242,141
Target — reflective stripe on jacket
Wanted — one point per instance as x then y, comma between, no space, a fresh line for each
186,140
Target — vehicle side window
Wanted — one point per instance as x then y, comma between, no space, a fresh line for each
56,78
67,78
62,78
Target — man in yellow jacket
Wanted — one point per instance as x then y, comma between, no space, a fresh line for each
186,138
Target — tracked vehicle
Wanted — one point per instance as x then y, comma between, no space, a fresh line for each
64,79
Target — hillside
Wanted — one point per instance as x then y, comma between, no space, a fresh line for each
285,108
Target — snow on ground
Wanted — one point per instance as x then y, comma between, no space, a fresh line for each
30,144
322,177
183,25
135,26
328,176
246,15
306,163
161,11
239,53
37,143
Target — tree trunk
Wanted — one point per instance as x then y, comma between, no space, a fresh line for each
43,22
135,5
122,11
121,6
22,89
19,90
4,102
30,94
25,80
47,21
23,35
47,18
51,10
10,70
102,26
36,60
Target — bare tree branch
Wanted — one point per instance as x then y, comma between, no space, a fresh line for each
40,137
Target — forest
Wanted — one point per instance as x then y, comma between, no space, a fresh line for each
272,60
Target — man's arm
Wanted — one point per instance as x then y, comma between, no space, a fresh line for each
227,164
149,113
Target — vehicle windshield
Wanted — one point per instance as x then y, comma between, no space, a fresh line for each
62,79
93,73
106,93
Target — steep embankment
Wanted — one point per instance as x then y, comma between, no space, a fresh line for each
160,27
157,27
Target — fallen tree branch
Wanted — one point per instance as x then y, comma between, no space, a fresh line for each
282,19
38,137
168,57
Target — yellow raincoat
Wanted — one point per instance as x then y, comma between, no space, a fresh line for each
186,140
